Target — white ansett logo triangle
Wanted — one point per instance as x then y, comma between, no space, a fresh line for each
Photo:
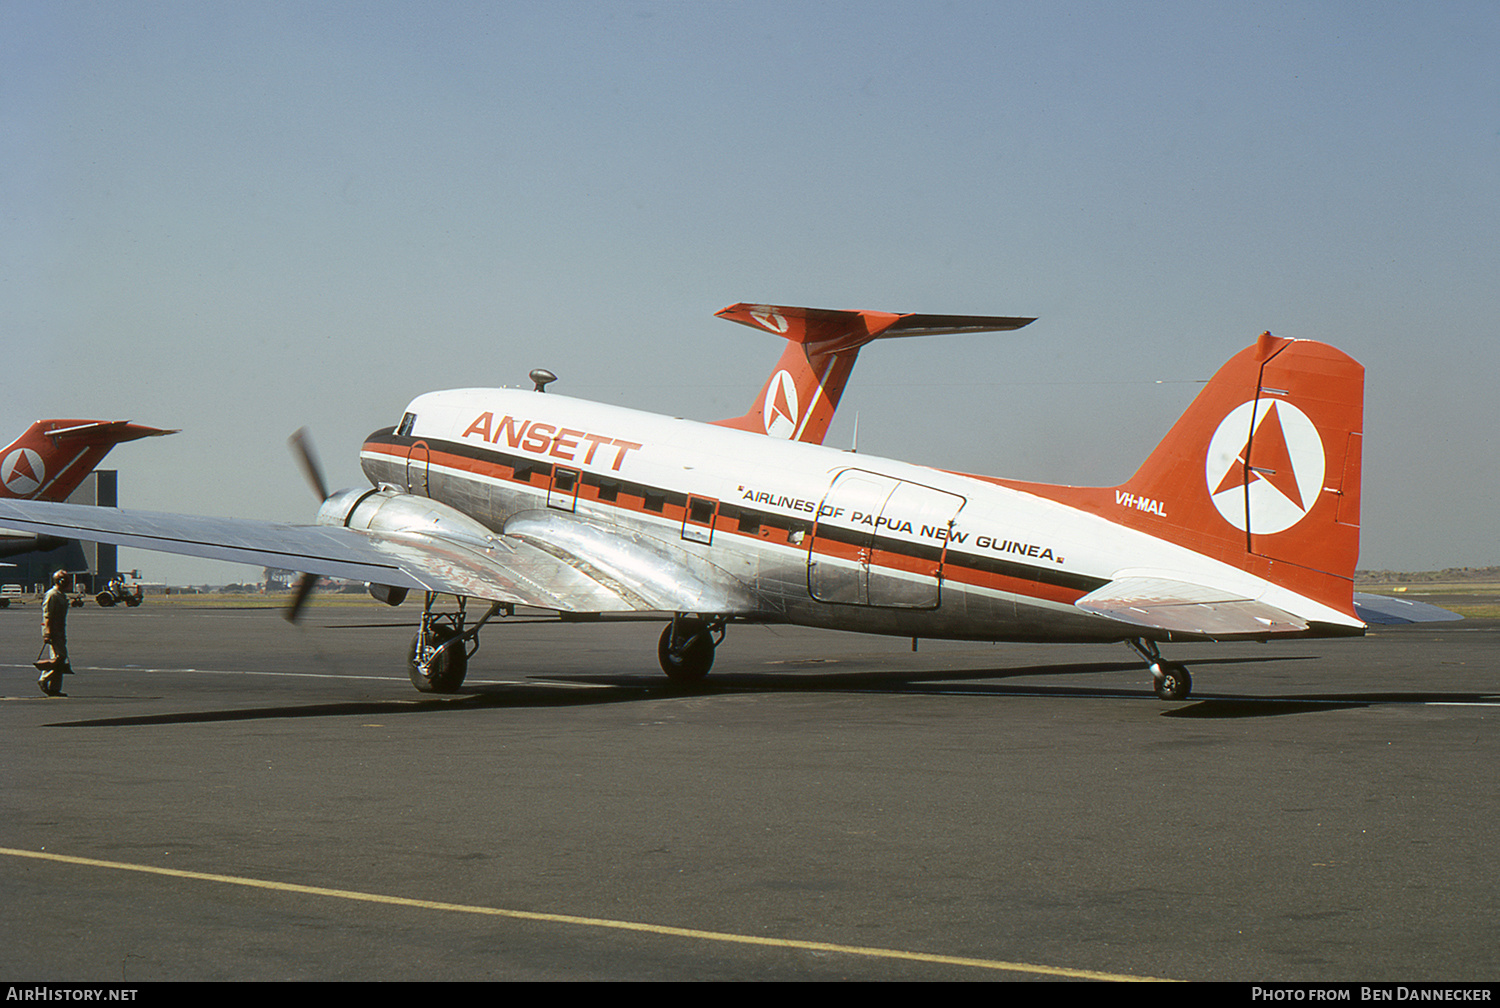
781,410
1282,484
22,472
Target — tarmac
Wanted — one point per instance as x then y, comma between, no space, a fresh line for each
224,797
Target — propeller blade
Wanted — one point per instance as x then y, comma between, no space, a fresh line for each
301,445
300,593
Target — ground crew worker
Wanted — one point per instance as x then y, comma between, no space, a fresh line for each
54,635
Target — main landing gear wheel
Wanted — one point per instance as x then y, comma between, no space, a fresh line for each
1172,681
437,669
686,650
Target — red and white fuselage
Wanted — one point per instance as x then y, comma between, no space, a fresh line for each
822,537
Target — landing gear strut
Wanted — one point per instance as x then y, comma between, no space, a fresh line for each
1170,679
438,658
686,648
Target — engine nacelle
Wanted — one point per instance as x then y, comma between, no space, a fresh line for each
336,508
391,512
385,593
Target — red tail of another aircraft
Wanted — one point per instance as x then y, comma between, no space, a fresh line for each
53,456
1261,472
799,399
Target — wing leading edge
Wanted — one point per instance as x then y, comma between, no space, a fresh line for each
541,565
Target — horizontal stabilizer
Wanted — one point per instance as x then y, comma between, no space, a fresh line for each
1384,610
798,400
113,431
1187,608
949,325
832,330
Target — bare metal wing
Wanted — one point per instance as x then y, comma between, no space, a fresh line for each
551,564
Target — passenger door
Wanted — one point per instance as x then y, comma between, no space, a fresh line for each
880,541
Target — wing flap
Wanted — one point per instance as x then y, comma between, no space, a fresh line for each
1185,607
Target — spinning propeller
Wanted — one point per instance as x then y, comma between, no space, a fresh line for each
301,446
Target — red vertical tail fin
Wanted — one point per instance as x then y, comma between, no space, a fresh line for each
52,457
799,399
1262,472
1264,467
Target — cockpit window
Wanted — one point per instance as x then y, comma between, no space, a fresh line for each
407,423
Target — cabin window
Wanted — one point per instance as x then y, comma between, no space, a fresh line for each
525,469
564,492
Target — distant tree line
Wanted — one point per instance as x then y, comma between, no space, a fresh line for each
1423,577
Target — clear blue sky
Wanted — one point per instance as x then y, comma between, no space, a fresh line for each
240,218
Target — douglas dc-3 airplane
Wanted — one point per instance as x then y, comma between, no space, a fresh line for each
1242,524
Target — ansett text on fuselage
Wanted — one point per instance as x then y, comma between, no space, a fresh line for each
549,440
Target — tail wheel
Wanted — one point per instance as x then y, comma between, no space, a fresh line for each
1173,683
687,655
439,669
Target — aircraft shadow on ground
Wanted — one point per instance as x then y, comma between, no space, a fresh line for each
519,695
980,682
1303,703
561,690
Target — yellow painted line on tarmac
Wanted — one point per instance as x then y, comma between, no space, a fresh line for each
593,922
